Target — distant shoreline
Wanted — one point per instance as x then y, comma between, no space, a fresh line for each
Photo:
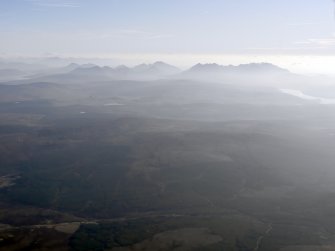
300,94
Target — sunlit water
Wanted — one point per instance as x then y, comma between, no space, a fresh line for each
299,94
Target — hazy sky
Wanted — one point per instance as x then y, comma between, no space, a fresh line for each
169,28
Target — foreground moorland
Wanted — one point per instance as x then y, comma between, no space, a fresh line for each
89,161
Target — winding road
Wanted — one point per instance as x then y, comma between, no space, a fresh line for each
260,239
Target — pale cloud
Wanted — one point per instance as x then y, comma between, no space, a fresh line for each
305,23
320,42
54,3
125,33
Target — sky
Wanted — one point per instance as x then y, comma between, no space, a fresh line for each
299,34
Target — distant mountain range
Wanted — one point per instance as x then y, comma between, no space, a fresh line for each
88,72
80,73
148,70
242,68
162,70
220,72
